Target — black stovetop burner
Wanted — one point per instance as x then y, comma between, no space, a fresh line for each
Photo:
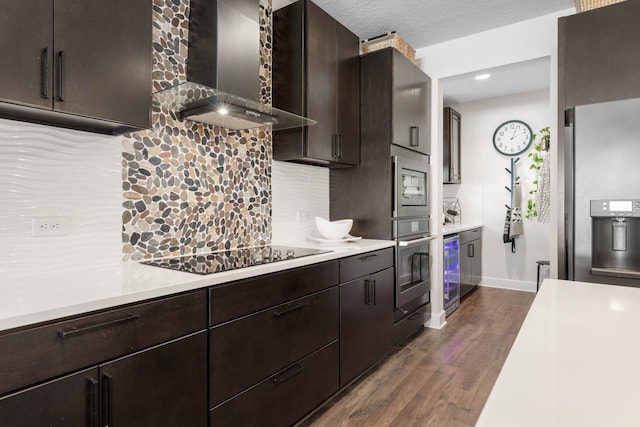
233,259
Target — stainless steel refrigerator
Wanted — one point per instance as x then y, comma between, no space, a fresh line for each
602,192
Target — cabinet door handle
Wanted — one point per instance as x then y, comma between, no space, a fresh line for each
413,316
289,373
367,292
334,145
77,331
339,146
278,313
414,136
373,292
471,250
107,383
367,257
60,76
44,76
94,399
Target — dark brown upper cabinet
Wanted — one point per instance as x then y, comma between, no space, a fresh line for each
598,55
411,121
388,72
81,64
451,147
316,74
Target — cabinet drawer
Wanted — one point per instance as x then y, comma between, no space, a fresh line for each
469,235
248,296
248,350
363,264
37,354
285,397
411,323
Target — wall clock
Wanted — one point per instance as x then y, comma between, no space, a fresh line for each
512,138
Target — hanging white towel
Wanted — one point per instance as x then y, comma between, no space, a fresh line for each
516,228
542,199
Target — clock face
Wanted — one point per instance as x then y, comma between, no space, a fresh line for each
512,138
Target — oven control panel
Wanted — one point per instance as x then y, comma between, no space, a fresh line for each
615,208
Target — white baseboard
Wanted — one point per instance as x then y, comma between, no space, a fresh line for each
437,321
516,285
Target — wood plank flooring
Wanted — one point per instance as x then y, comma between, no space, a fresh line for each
439,378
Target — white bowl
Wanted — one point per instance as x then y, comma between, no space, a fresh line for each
334,229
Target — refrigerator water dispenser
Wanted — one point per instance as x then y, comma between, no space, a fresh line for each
615,238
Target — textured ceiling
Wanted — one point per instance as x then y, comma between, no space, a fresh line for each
425,22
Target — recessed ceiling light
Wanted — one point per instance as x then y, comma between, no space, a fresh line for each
223,111
483,76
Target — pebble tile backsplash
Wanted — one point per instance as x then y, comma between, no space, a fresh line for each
189,187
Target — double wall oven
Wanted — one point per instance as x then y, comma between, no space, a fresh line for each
410,225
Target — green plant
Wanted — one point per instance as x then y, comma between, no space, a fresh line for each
542,144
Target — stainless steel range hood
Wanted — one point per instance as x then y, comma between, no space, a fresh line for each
223,81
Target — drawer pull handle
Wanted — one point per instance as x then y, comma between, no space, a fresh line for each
71,332
413,316
289,373
278,313
367,257
94,398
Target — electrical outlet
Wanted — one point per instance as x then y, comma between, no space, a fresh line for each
302,216
49,226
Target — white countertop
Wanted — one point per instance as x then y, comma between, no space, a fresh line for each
453,229
38,297
575,361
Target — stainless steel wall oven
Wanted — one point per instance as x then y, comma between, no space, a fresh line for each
411,176
410,226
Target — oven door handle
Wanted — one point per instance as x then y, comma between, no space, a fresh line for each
407,243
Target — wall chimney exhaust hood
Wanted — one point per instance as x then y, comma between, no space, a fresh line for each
223,81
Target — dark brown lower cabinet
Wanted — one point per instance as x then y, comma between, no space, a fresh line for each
366,322
67,401
245,351
286,396
164,385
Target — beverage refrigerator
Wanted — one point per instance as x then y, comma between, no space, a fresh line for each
451,270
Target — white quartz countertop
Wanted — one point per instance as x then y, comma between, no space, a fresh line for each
453,229
39,297
575,361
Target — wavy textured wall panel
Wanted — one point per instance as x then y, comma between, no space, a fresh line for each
297,190
48,171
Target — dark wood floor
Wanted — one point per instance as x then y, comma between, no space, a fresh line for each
441,377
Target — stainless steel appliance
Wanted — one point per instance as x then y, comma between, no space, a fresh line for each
410,225
223,86
232,259
412,270
451,272
602,187
411,176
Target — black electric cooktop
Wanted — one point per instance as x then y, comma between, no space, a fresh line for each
233,259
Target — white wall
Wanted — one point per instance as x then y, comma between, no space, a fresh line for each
482,194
